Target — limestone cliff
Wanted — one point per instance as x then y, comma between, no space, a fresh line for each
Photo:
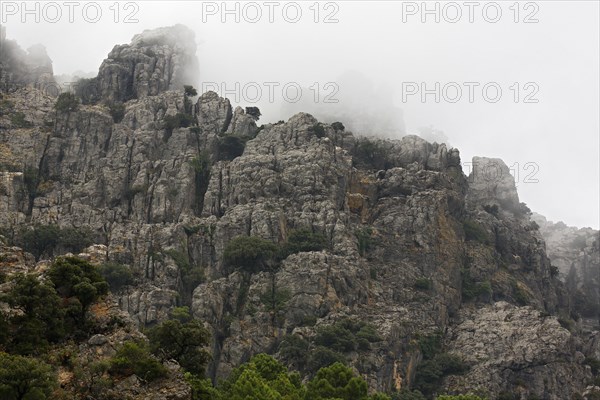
415,247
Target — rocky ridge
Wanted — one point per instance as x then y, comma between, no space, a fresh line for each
415,246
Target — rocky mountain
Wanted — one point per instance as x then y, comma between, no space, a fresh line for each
427,263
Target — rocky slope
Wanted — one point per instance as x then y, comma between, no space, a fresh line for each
415,247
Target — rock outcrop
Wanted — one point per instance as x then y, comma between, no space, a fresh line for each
19,68
414,246
155,61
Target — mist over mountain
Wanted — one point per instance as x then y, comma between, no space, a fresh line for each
158,242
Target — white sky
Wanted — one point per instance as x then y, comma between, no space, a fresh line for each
559,54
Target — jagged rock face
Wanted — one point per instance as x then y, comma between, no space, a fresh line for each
19,68
576,255
490,181
154,62
166,202
516,350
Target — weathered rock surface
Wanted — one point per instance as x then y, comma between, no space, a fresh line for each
518,351
167,203
155,61
19,68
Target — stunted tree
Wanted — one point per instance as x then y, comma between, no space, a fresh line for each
254,112
185,342
25,378
249,253
66,102
336,382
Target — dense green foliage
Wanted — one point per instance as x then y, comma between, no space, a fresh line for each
422,284
475,232
304,239
471,290
230,147
181,339
338,126
24,378
329,345
318,130
135,358
249,253
371,153
365,240
66,102
254,112
189,91
41,319
53,309
116,275
179,120
117,111
50,240
436,365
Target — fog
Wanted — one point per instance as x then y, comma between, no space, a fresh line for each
375,62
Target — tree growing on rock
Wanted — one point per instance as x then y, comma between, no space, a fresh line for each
66,102
250,253
25,378
254,112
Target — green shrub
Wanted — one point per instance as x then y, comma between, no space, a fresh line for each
46,239
25,378
117,275
179,120
475,232
189,91
338,127
135,358
117,111
250,253
318,130
66,102
74,277
372,154
337,382
337,338
294,350
18,120
460,397
230,147
185,342
408,395
365,240
472,290
321,357
422,284
430,345
304,239
275,301
41,320
254,112
430,372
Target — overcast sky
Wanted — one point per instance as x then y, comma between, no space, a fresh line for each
549,134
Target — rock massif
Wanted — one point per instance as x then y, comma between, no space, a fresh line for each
415,247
